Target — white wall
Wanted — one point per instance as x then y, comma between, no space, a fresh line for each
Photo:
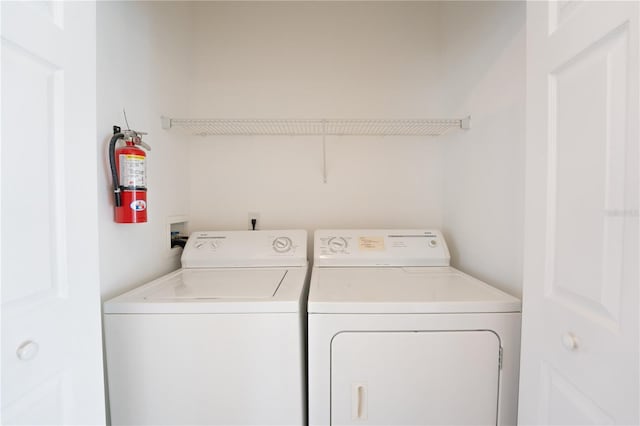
367,60
143,62
316,60
484,58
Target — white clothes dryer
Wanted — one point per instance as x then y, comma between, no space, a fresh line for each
218,342
398,337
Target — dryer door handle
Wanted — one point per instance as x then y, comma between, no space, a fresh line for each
359,401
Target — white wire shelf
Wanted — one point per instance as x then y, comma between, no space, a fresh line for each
322,127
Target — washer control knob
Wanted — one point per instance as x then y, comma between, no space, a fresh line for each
433,243
337,244
211,245
282,244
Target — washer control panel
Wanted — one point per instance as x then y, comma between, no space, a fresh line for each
210,249
380,247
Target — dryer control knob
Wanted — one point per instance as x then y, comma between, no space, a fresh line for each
433,243
337,244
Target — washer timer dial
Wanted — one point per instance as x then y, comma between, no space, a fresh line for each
282,244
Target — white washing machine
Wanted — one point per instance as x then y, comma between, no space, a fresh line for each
398,337
218,342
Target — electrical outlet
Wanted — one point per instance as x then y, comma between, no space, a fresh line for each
251,216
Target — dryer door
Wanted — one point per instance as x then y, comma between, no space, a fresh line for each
415,378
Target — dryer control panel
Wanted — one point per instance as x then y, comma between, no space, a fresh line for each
380,247
214,249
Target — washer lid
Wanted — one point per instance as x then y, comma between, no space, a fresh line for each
223,284
404,290
219,290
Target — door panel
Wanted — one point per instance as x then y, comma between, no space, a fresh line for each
564,404
415,378
586,178
580,298
51,340
35,165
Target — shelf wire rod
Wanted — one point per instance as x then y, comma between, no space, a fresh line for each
324,151
255,127
266,127
275,126
377,127
416,128
241,127
425,128
238,127
220,127
225,126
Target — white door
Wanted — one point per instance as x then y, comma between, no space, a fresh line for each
580,315
51,339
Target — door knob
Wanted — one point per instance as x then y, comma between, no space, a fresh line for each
570,341
27,350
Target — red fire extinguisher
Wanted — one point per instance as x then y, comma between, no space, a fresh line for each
129,175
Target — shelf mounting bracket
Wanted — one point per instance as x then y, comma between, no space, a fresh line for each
465,123
166,122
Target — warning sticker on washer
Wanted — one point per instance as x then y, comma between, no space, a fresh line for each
371,243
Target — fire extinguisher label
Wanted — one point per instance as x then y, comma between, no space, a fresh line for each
138,205
133,170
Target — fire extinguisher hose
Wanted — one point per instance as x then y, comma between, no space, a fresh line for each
114,172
